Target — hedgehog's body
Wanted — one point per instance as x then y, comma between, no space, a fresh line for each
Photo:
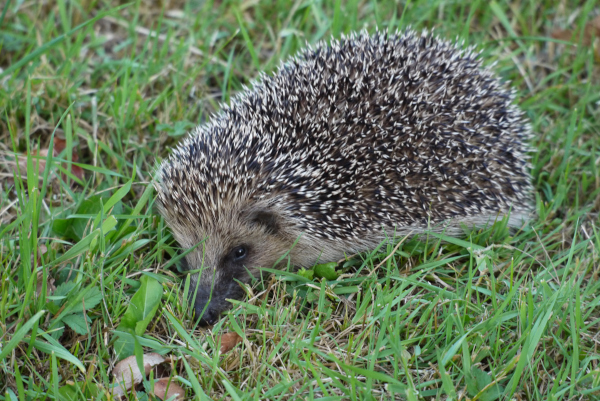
372,136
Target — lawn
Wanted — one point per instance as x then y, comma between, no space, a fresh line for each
94,93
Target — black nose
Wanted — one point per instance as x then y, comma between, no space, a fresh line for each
207,317
205,311
211,301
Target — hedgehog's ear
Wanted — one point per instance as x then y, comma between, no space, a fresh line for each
265,218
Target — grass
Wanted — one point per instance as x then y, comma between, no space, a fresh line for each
494,315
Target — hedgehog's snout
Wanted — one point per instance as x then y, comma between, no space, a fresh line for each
207,316
211,300
203,309
208,305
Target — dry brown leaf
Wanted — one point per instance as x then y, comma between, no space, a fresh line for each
77,172
229,340
127,373
42,163
161,391
59,146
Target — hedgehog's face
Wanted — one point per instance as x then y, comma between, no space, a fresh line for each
234,247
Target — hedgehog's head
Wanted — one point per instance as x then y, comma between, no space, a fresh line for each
232,250
231,242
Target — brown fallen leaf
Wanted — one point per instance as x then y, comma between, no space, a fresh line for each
127,373
59,146
161,391
228,341
42,162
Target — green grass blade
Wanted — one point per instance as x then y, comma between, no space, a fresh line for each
54,42
19,335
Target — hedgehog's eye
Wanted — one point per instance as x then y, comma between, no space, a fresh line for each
239,253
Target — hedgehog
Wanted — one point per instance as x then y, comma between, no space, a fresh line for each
346,145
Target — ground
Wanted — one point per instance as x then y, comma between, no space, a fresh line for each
112,87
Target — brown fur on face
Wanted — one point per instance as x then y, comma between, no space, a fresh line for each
258,228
